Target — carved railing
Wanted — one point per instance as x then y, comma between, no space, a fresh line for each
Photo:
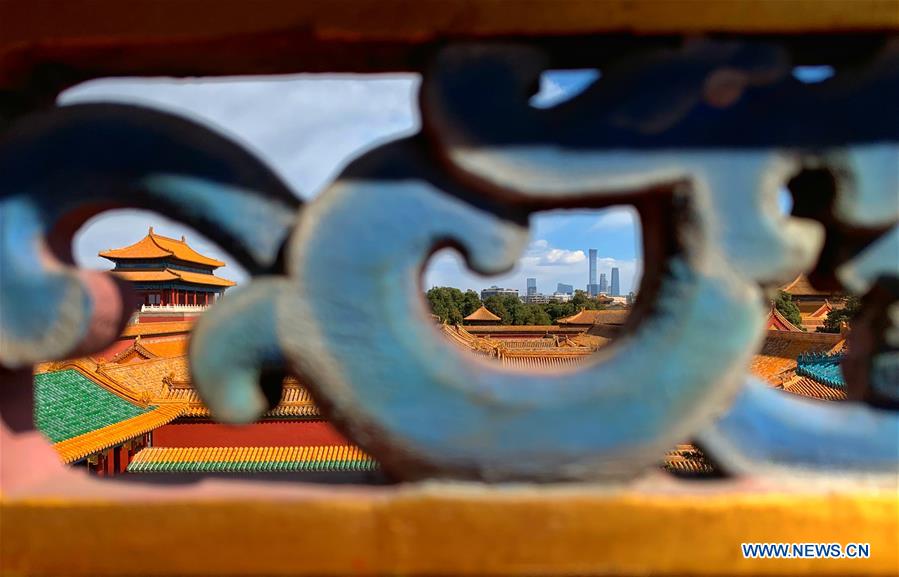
698,135
173,308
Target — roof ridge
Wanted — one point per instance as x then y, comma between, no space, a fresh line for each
152,236
779,316
105,381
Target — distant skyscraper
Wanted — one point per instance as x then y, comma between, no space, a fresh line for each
532,287
495,291
603,283
592,288
565,289
616,287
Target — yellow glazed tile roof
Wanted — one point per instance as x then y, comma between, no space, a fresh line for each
295,401
167,348
251,459
205,279
482,314
157,246
147,376
169,274
777,358
801,286
145,275
596,317
807,387
76,448
146,329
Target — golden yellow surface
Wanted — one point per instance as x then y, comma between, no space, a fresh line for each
445,529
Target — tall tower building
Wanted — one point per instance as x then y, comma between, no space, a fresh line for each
592,287
603,283
616,287
166,271
532,287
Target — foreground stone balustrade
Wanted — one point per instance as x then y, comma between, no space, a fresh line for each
701,159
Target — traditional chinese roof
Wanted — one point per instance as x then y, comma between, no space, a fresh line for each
689,461
520,353
529,330
172,275
168,347
147,377
806,387
68,404
558,359
777,358
812,319
295,400
250,459
801,286
76,448
822,367
600,317
585,340
136,351
160,328
157,246
777,322
482,314
86,407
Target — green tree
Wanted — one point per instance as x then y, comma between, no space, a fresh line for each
580,300
836,317
557,311
470,302
785,306
540,316
447,303
497,306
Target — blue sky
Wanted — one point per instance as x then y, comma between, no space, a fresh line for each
307,127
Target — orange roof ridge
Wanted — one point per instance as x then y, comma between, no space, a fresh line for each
157,246
135,347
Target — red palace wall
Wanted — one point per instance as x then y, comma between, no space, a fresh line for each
264,434
173,318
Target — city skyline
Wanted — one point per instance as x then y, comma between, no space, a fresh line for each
347,115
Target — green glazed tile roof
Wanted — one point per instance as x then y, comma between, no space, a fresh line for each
68,404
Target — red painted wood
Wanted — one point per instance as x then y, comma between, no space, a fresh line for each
264,434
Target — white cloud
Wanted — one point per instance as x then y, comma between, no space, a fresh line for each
616,218
305,126
540,253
